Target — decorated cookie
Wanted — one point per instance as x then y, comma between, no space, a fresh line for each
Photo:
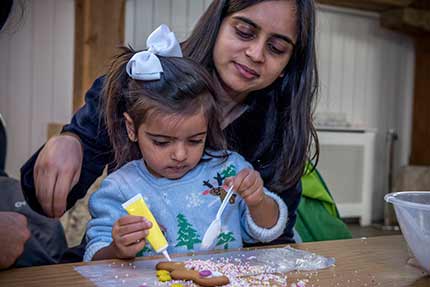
169,266
203,278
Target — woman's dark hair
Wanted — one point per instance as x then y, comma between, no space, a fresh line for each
288,121
185,88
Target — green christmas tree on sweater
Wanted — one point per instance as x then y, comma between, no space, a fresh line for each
225,238
187,235
229,171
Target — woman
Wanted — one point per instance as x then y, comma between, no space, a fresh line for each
263,54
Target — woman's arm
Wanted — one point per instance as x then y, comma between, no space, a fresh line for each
291,196
57,160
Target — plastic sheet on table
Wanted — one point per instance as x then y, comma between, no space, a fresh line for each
238,264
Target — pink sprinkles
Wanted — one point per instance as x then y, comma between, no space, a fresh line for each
239,272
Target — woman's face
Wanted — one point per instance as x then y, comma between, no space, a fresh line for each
254,45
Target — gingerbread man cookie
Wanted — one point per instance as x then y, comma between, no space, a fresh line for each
205,278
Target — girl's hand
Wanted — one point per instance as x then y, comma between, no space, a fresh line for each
249,185
128,234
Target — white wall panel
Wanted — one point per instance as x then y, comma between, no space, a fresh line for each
63,47
196,8
19,112
162,12
42,73
36,75
179,18
369,80
179,15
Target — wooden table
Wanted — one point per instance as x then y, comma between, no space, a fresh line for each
376,261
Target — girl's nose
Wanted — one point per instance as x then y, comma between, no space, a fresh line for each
180,152
255,50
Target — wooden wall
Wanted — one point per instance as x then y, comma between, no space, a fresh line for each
421,122
99,31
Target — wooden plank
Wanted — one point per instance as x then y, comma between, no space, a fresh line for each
99,30
43,60
407,20
78,91
20,93
421,116
372,5
421,4
63,60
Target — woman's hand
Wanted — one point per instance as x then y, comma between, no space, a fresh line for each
249,185
57,170
128,234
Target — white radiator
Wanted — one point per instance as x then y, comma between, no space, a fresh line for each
347,166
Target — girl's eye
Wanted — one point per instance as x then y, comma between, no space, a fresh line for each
196,142
244,33
160,143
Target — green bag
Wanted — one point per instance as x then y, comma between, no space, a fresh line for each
317,216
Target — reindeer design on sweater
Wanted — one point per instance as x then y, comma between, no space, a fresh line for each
218,191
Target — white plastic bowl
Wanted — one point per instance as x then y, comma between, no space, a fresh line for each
413,213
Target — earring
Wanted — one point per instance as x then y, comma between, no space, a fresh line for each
132,138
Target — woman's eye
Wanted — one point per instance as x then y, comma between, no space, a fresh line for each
247,35
276,50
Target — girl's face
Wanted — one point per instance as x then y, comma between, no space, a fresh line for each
254,45
171,145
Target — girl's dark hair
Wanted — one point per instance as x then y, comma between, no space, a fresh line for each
185,88
288,121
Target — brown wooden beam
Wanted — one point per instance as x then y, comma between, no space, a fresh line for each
420,154
371,5
407,20
99,30
421,4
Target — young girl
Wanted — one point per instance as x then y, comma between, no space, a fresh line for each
163,123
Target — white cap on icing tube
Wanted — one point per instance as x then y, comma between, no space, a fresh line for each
166,254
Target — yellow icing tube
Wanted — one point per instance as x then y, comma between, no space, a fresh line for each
137,206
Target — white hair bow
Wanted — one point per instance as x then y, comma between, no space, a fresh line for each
145,65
